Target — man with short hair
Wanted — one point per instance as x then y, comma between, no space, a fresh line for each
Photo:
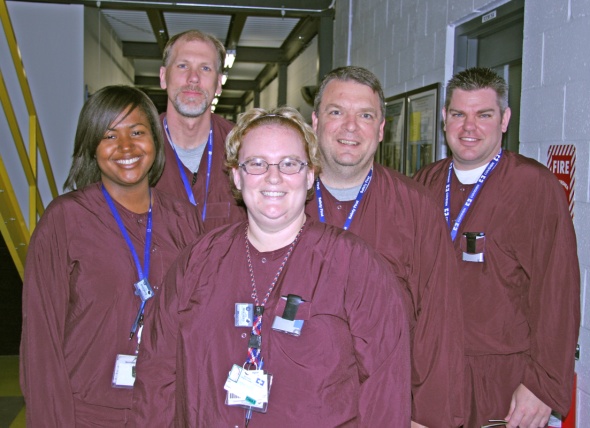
195,156
518,266
400,220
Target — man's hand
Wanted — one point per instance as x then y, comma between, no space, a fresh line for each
416,425
526,410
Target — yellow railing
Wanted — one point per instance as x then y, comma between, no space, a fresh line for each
15,231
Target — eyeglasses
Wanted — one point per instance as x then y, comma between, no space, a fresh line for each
258,166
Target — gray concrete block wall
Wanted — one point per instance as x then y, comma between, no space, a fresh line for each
556,110
568,42
548,104
406,43
532,61
576,123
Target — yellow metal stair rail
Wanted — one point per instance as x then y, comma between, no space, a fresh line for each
14,229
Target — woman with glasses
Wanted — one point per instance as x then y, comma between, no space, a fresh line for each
278,320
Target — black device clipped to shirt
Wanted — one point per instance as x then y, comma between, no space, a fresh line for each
291,307
287,323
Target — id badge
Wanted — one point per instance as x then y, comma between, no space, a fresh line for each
124,373
287,326
473,246
249,389
143,289
243,315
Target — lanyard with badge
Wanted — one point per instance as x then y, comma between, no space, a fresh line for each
185,181
124,373
246,387
353,210
472,243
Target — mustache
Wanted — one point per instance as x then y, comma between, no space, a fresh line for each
191,88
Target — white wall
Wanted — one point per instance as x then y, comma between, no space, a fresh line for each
409,44
270,95
50,38
301,72
104,63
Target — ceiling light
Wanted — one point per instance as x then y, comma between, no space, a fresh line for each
224,77
230,57
215,101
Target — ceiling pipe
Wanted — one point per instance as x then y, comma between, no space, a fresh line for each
281,9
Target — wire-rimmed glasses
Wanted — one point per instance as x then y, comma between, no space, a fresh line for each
257,166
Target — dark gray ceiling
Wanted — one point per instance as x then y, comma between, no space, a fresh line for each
265,34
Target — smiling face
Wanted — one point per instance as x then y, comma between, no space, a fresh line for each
349,126
126,153
275,201
191,78
474,126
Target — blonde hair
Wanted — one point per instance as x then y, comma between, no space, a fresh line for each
282,116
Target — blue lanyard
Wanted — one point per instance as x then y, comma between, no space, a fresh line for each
480,182
141,273
359,197
187,186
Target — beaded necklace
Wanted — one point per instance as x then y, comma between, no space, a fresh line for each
255,341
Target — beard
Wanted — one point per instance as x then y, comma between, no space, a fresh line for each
189,106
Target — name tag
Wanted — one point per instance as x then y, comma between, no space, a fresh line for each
243,315
124,373
249,389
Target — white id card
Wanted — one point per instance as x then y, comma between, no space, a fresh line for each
243,315
247,383
244,397
124,373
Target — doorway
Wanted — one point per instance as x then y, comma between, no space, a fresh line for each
494,40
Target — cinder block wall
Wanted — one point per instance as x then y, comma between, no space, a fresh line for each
409,44
555,109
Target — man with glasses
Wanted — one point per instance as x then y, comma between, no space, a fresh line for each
518,268
191,74
400,220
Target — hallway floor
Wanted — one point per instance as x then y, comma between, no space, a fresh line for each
12,410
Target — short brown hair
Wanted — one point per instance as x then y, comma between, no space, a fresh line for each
350,73
476,78
191,35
